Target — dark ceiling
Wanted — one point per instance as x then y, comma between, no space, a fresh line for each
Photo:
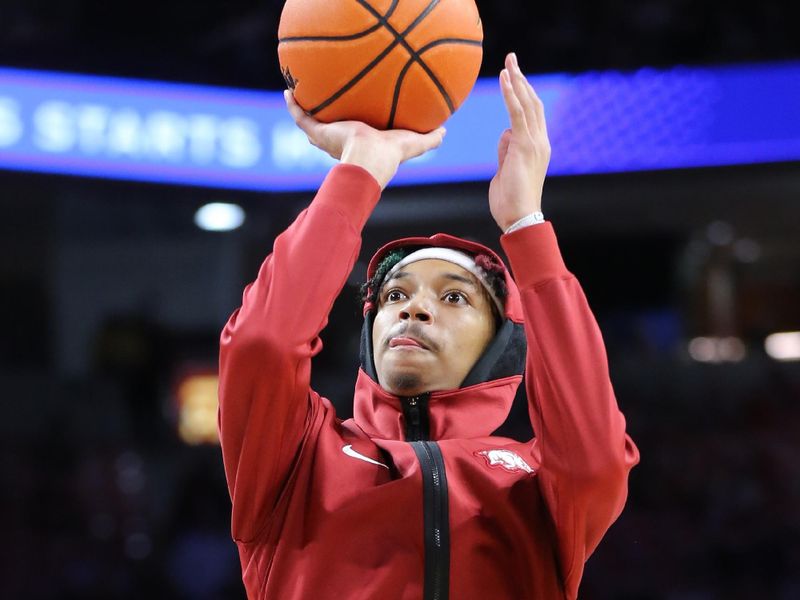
233,42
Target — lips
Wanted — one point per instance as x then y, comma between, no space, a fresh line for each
405,341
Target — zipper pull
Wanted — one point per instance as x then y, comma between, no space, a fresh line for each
415,411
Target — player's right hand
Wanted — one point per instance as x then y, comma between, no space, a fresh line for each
353,142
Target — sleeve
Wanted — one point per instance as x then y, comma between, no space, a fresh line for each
267,344
581,446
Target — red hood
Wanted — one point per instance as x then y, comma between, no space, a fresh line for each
475,410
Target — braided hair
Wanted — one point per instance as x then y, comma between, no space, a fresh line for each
372,287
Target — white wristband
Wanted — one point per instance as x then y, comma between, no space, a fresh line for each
532,219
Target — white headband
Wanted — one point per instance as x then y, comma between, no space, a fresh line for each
463,260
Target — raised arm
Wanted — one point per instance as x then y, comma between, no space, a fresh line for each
267,345
583,452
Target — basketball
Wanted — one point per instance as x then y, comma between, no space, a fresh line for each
405,64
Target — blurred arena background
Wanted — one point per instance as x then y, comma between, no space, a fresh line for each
112,297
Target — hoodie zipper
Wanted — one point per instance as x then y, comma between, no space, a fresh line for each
436,518
415,411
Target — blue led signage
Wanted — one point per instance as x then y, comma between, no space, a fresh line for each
599,122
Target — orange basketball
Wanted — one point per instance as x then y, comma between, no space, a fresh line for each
406,64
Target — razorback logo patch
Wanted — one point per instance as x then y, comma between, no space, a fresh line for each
505,459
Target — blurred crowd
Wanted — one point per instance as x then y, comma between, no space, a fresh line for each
100,503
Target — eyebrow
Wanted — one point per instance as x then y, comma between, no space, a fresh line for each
398,275
461,278
450,276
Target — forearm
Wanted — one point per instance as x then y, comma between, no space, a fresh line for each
310,262
267,345
580,432
567,356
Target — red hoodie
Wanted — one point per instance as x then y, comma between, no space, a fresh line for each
413,497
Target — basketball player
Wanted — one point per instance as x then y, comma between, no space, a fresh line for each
414,497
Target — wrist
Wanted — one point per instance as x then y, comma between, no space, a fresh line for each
371,159
533,218
506,220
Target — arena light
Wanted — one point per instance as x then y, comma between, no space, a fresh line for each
784,346
219,216
717,349
197,404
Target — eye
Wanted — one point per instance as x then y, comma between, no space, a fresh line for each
455,298
393,296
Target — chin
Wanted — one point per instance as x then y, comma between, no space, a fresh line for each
404,383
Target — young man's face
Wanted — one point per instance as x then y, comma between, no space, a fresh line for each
433,322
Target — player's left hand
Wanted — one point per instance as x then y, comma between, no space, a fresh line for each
523,152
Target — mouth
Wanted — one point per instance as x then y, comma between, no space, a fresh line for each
406,342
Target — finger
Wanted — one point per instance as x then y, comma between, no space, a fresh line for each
538,107
502,148
515,111
419,144
522,90
432,140
304,122
436,137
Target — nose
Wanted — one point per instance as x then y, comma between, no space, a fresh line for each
416,309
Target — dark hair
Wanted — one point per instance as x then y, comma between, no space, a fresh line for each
495,274
372,287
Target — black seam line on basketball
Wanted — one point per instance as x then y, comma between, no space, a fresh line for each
411,61
347,86
330,38
339,38
361,74
384,20
398,40
401,37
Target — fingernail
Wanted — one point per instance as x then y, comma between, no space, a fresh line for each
514,59
286,95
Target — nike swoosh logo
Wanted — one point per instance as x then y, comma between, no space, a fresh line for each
352,453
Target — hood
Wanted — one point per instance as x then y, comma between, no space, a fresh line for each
482,403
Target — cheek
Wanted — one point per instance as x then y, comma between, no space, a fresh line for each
474,338
379,326
376,331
